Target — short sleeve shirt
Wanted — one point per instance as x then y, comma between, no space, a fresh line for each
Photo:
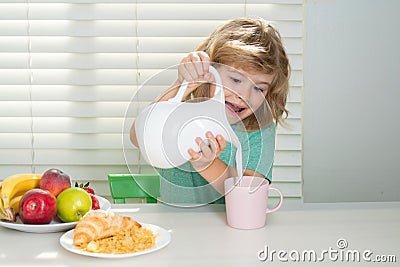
183,185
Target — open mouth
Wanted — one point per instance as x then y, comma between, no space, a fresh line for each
234,108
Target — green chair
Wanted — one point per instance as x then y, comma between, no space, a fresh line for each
144,186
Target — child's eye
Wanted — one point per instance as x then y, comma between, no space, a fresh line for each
235,80
259,89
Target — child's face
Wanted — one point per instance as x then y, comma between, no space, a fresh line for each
244,91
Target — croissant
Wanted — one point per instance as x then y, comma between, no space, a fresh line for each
98,224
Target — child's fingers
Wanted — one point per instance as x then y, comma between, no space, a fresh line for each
203,69
197,61
204,147
194,67
184,73
194,155
221,142
214,149
218,142
210,148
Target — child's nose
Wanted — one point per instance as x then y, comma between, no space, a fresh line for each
244,93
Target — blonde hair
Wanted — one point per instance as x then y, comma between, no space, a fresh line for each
252,45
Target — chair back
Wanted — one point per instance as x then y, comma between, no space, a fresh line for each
144,186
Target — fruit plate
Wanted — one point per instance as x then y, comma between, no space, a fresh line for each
163,238
54,226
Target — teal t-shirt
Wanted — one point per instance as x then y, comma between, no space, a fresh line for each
183,185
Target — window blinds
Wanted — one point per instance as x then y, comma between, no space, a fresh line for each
69,68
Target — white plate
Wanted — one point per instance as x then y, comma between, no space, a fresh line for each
163,238
55,225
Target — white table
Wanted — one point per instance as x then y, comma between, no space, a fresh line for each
200,237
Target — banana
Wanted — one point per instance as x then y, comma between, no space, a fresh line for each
14,186
14,203
1,200
2,212
1,205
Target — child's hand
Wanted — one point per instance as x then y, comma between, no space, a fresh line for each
209,151
194,67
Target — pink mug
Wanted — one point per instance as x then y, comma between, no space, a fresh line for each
246,202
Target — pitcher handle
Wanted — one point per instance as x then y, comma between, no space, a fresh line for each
219,92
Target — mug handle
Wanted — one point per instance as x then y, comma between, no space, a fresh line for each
280,200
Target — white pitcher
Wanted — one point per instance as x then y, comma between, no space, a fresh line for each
166,130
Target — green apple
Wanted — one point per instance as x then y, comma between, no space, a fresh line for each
72,204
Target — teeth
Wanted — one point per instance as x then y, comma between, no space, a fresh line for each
234,107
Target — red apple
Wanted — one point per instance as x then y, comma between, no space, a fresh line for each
55,181
37,206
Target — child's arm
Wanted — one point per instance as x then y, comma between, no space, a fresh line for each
216,173
208,165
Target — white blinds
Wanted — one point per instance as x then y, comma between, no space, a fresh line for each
68,69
